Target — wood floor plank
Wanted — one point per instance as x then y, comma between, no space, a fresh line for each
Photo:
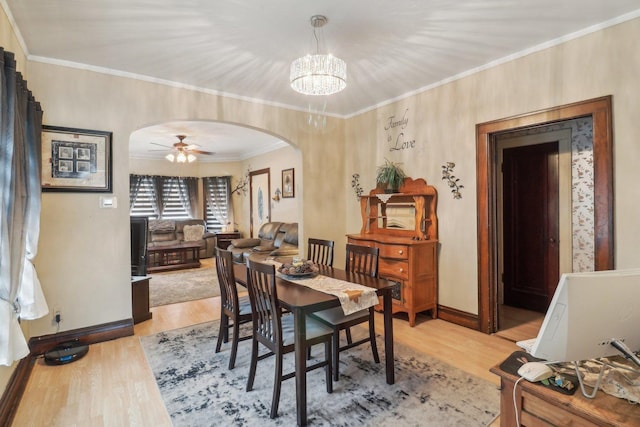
113,384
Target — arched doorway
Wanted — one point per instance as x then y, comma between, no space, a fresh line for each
236,150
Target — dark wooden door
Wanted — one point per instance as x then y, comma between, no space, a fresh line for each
530,225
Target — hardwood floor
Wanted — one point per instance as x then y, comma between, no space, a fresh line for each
113,384
517,324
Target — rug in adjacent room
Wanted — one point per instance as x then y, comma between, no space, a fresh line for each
183,285
199,390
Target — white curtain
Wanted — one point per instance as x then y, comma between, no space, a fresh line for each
218,201
21,296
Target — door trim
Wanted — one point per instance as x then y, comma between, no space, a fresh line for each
600,110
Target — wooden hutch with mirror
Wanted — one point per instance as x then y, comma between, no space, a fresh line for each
404,227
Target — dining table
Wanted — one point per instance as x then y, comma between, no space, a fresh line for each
301,300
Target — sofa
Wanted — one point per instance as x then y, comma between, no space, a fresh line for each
170,232
276,240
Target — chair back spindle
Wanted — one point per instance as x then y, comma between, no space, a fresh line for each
362,259
261,281
227,281
234,310
320,251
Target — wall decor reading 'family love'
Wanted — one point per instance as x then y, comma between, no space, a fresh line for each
76,160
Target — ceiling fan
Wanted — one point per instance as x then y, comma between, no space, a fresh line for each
182,152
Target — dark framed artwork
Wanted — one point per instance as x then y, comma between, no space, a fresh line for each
288,183
76,160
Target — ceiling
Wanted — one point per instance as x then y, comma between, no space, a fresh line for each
243,48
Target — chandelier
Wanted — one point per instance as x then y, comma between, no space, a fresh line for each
319,74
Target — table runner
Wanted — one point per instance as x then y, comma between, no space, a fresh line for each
353,297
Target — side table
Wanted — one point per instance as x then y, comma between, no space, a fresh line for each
541,406
140,298
223,240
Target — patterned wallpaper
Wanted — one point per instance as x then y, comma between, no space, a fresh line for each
582,194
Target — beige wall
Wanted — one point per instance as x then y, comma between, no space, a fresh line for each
82,266
9,42
285,210
442,121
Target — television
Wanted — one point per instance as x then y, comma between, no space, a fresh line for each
592,315
139,230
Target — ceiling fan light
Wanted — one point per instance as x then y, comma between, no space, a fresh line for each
191,158
181,157
170,157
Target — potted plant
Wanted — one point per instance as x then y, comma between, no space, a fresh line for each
390,176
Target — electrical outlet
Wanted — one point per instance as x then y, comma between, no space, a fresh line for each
57,316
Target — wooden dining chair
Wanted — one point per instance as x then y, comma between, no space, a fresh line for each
232,307
320,251
364,260
275,330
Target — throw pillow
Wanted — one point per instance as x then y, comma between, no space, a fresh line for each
193,232
162,225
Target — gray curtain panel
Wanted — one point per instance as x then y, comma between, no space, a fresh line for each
20,142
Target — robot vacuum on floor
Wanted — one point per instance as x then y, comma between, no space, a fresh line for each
65,353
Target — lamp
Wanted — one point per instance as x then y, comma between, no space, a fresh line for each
276,197
319,74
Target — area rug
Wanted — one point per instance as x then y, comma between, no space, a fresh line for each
184,285
199,390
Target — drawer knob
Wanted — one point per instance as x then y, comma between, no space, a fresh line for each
400,251
401,270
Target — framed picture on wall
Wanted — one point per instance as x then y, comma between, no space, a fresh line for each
76,160
288,183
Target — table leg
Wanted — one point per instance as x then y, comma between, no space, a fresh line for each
388,338
301,365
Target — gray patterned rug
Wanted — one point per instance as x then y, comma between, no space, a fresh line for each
183,285
199,390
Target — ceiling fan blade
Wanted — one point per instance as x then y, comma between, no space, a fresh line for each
204,153
162,145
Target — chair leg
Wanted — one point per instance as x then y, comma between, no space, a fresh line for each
277,383
224,322
372,337
234,344
348,332
252,366
328,369
226,329
336,353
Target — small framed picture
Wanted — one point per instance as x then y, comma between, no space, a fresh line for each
288,183
76,160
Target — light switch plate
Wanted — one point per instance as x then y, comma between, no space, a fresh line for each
108,202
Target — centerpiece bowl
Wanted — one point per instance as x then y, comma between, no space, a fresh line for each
299,268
